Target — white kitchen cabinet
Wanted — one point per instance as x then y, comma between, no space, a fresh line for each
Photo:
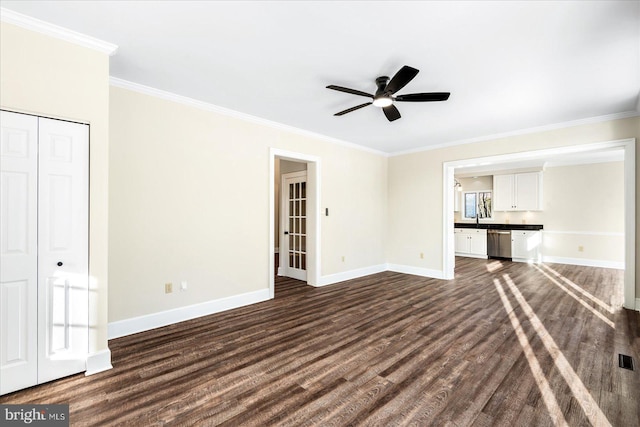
525,245
517,192
471,242
503,192
462,245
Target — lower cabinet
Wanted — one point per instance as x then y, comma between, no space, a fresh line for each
526,245
471,242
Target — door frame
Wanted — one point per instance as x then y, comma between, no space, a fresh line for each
313,213
629,147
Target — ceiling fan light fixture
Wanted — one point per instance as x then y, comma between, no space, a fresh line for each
382,101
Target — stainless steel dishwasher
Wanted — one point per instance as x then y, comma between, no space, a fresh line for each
499,243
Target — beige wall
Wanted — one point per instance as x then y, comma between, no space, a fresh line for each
583,206
584,198
287,166
584,212
189,200
53,78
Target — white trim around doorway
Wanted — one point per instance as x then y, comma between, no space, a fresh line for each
313,215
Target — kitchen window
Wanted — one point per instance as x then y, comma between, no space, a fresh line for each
477,203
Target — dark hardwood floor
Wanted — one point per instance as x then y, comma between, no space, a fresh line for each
502,344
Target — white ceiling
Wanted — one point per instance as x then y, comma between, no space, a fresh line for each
509,66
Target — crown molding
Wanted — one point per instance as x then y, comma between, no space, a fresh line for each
589,120
33,24
169,96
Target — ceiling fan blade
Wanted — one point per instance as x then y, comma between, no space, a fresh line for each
391,112
357,107
423,97
402,77
351,91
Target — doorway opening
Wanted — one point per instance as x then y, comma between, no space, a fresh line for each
294,244
627,146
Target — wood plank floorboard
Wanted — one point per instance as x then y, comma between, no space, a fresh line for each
384,350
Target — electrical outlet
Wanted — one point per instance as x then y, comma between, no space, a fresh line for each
168,288
342,258
421,255
580,248
183,285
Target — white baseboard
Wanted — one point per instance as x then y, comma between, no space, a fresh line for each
101,361
527,260
98,362
417,271
584,262
134,325
351,274
472,255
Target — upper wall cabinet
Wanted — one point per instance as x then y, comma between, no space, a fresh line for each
518,192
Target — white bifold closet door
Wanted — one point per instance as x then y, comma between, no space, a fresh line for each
43,250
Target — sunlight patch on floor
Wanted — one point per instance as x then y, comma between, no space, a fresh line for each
578,289
548,396
578,299
580,392
493,266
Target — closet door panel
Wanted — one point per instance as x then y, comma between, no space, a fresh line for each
63,254
18,251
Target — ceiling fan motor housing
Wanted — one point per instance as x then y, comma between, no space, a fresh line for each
381,82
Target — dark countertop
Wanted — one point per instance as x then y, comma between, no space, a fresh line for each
488,226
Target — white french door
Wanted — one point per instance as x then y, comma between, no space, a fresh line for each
44,250
293,242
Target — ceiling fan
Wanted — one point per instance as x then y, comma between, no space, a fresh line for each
386,89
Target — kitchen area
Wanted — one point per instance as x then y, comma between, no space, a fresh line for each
567,209
493,213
